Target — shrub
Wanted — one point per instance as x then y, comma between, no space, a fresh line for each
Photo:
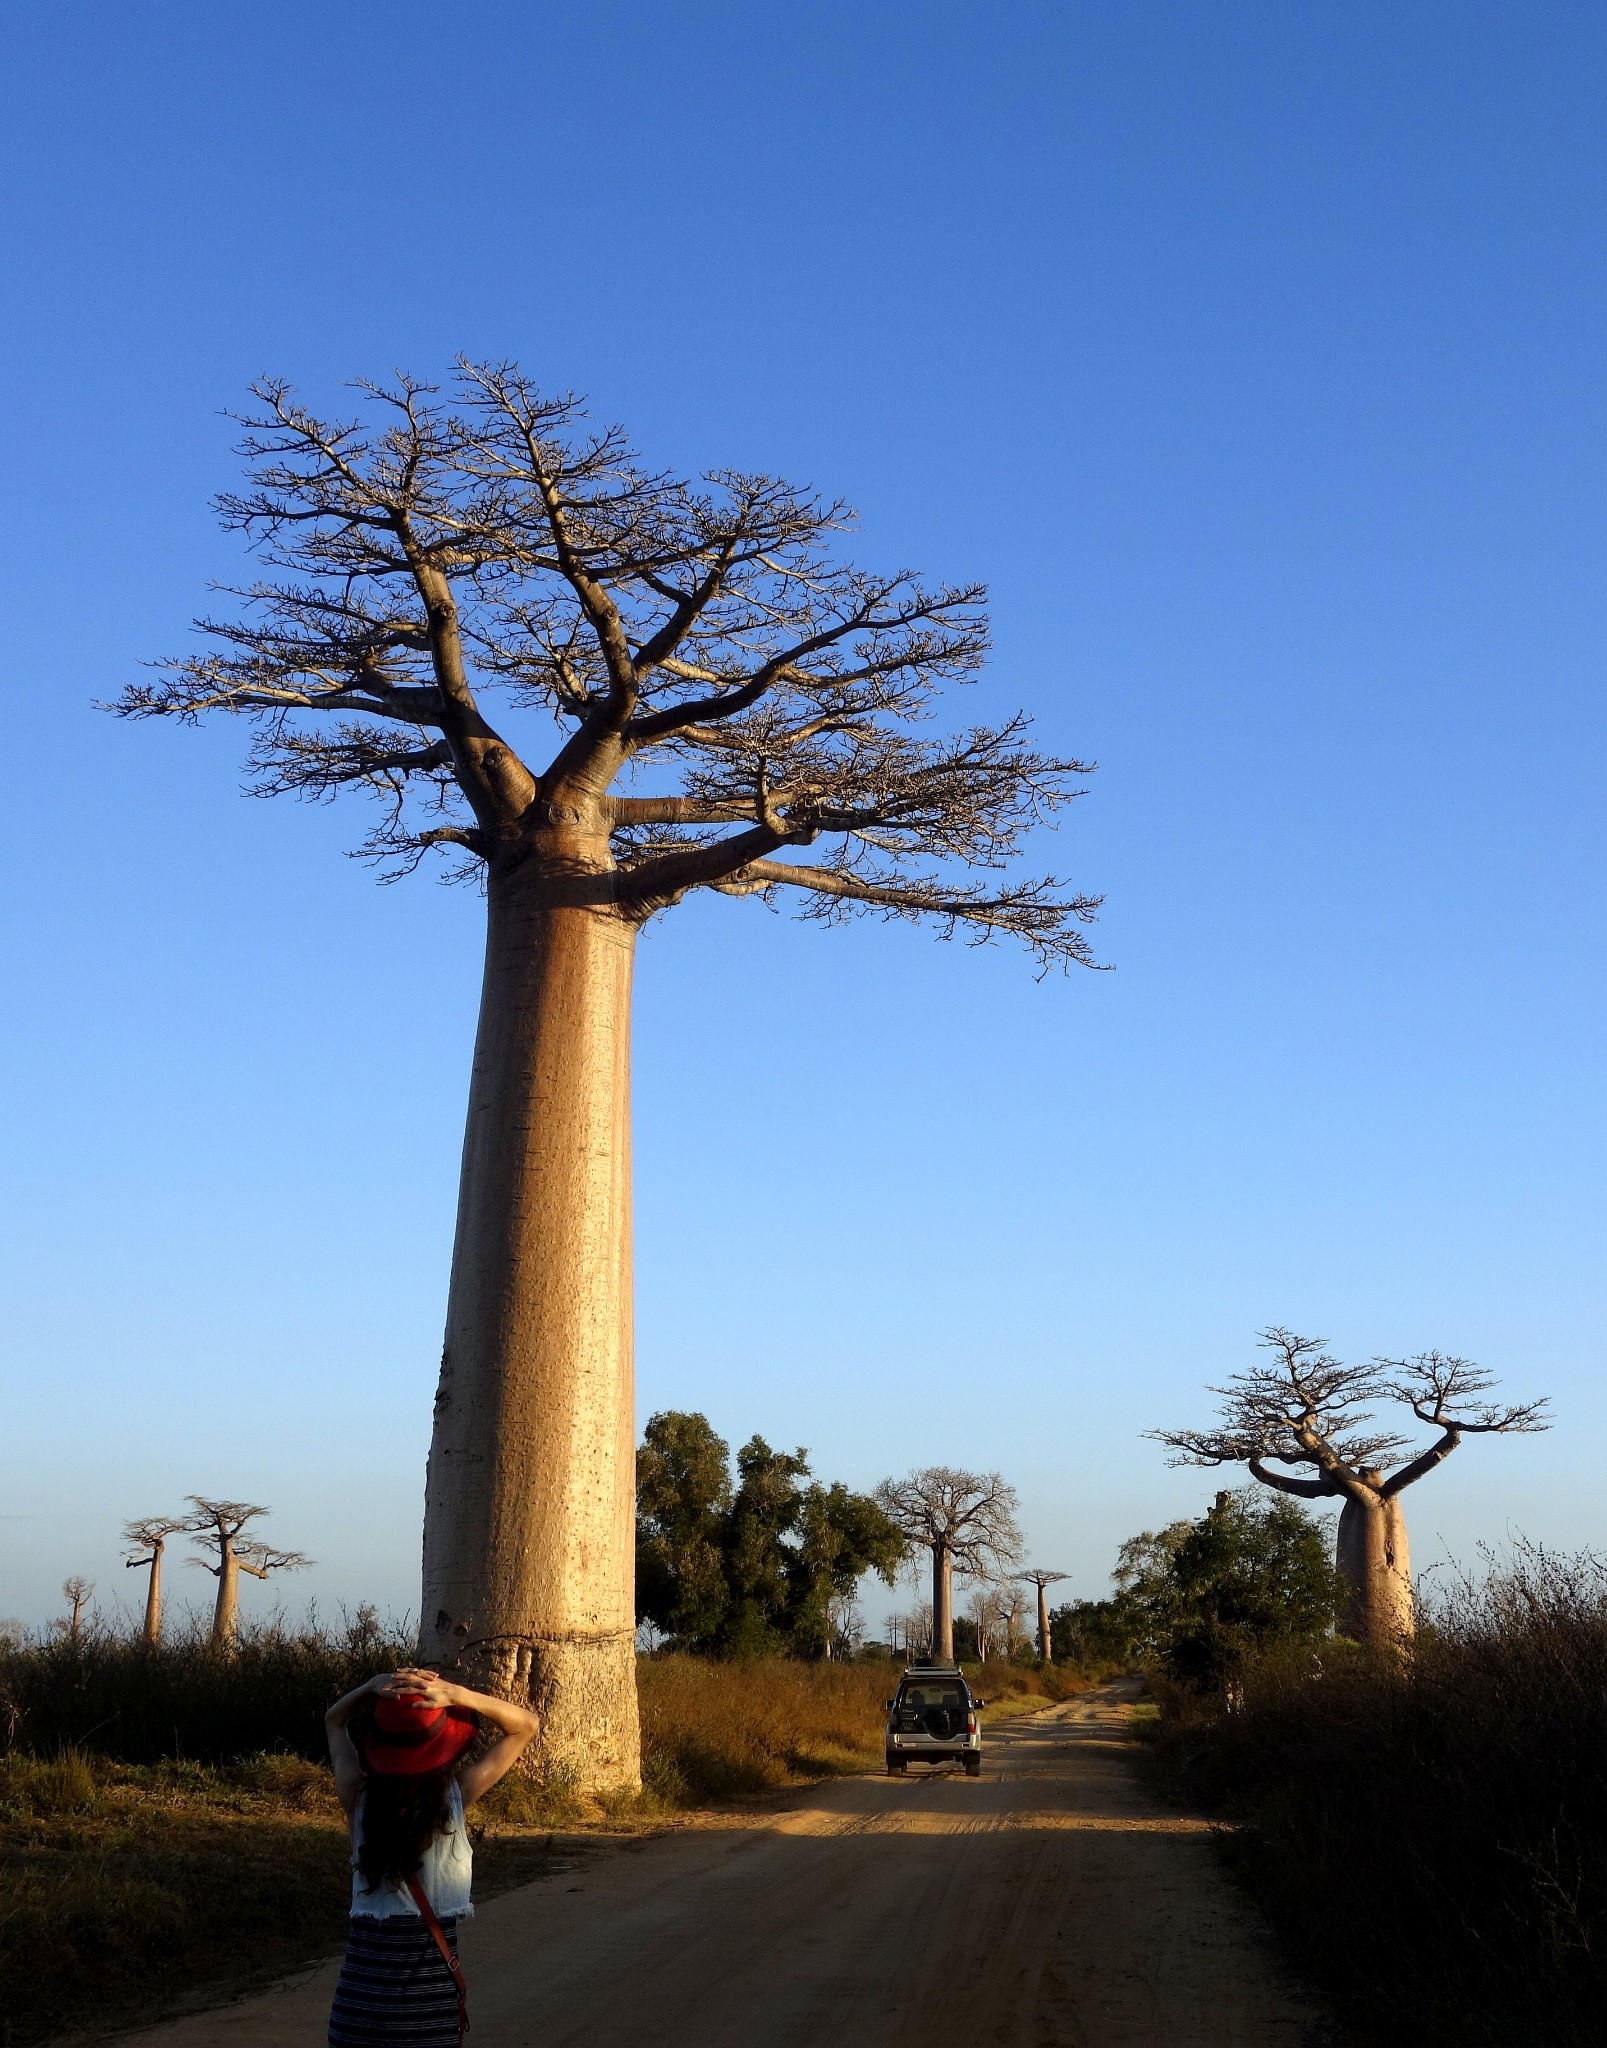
1432,1835
711,1729
120,1698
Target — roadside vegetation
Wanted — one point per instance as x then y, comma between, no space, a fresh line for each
1196,1600
1426,1830
1430,1834
753,1563
168,1828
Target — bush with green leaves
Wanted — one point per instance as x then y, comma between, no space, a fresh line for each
1199,1596
749,1567
1429,1833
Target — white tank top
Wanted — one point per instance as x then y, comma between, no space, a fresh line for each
446,1871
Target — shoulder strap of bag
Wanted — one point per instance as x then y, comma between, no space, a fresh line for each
427,1914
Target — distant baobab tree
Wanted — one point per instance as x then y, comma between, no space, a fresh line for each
150,1535
217,1525
1043,1581
728,691
1012,1606
76,1591
1304,1408
965,1519
987,1618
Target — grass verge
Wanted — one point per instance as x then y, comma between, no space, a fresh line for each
131,1891
1429,1837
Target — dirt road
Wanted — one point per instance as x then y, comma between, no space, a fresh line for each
1050,1904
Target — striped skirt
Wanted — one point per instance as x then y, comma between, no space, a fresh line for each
394,1987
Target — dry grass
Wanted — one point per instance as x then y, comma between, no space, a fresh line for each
712,1730
131,1890
1431,1837
126,1884
112,1694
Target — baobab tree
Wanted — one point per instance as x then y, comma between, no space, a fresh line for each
77,1590
150,1536
1305,1408
987,1618
1012,1606
217,1525
965,1519
1043,1581
727,692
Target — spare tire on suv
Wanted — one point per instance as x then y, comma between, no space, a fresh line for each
933,1719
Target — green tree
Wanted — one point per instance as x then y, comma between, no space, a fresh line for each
758,1556
1250,1572
841,1536
751,1569
683,1497
1197,1596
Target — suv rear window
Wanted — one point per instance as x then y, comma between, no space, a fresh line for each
917,1698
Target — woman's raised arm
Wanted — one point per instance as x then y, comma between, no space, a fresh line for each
516,1728
342,1750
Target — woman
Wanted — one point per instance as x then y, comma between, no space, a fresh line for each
404,1787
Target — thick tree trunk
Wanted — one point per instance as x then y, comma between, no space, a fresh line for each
226,1614
530,1499
1376,1566
942,1604
1043,1624
152,1631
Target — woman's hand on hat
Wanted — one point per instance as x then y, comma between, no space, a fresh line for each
417,1683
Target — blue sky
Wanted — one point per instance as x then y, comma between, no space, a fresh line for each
1251,353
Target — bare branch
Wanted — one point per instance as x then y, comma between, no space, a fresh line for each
1305,1408
1035,912
259,1559
969,1515
443,544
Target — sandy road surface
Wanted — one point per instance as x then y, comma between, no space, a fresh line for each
1049,1904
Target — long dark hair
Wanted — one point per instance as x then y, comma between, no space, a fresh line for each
401,1817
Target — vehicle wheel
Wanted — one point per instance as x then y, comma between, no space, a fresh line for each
973,1764
896,1765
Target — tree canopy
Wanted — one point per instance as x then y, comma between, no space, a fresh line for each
749,1567
971,1516
1306,1409
439,550
1197,1595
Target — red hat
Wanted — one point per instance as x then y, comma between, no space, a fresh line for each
409,1737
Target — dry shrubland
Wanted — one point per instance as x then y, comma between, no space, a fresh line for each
134,1878
1430,1836
710,1730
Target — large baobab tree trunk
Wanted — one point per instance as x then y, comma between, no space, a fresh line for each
942,1604
152,1631
1376,1566
226,1612
529,1518
1043,1623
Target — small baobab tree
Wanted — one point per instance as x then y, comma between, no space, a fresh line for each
148,1539
727,691
1306,1409
1012,1609
966,1520
218,1525
987,1618
1042,1580
76,1591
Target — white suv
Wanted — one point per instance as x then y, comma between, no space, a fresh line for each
932,1719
